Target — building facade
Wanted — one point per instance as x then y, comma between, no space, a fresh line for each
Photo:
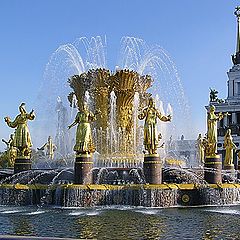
232,103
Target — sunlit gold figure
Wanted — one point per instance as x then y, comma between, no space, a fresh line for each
200,148
212,119
22,139
229,147
151,113
11,150
50,148
84,143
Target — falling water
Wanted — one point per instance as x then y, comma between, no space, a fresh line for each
84,54
162,125
68,60
171,127
162,129
87,98
62,136
107,140
74,104
169,109
112,121
137,55
135,120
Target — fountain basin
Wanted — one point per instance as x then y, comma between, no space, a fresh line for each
160,195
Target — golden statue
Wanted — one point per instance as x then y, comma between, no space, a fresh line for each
212,119
200,148
84,143
22,140
151,138
11,151
50,148
229,147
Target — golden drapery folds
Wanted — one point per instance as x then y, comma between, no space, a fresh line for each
212,119
229,147
151,137
22,139
84,143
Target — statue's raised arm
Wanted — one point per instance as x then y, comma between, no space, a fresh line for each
163,118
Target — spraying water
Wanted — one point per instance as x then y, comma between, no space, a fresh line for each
112,121
135,120
84,54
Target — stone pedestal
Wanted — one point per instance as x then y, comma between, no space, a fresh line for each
22,164
152,167
230,170
213,169
83,169
238,168
229,167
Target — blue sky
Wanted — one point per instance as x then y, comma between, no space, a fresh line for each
200,36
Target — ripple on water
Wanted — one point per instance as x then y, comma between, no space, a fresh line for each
10,211
224,211
84,213
148,211
94,213
34,213
78,213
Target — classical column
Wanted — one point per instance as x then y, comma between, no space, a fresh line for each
234,118
225,121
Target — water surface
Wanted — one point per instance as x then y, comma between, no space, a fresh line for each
122,222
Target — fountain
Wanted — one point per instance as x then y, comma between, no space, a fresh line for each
126,174
118,159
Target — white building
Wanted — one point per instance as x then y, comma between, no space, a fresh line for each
232,103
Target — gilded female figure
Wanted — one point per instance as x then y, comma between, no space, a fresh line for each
229,147
22,139
84,143
11,150
212,120
150,113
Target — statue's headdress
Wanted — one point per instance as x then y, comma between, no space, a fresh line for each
22,108
151,100
212,108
